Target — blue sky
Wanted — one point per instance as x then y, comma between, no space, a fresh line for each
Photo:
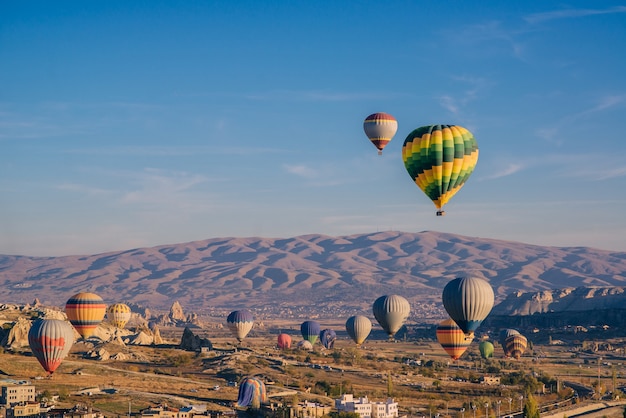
130,124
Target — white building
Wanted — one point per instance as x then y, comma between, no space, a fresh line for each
367,409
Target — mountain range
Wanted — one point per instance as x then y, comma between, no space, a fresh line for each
307,272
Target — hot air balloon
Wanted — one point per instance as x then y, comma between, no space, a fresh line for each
515,345
304,345
85,311
468,301
440,159
284,341
504,334
391,311
240,323
118,314
452,338
327,338
380,129
50,340
358,328
486,349
310,331
252,392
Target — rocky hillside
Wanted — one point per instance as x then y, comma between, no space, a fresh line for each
318,271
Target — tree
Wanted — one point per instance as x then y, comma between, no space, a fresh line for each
531,409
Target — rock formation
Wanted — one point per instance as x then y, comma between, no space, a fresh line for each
191,342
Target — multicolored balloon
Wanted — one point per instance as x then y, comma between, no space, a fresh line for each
452,338
119,314
358,328
85,311
440,159
327,338
50,340
468,301
391,311
252,392
504,334
515,345
310,331
284,341
380,129
486,349
240,323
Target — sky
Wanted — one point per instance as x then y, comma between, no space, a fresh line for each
137,124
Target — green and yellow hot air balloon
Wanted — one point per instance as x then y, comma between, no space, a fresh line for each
440,159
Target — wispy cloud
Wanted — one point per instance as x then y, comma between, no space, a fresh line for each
472,88
571,14
509,170
301,170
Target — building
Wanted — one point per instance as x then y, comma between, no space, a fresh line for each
14,392
367,409
30,409
490,380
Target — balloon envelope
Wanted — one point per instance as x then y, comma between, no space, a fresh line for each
252,392
515,345
240,323
391,311
504,334
358,328
85,311
468,301
440,159
327,338
310,331
50,340
284,341
304,345
452,338
118,314
380,128
486,349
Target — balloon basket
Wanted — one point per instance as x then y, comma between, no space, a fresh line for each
441,213
380,152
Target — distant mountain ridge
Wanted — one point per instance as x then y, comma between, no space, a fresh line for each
315,271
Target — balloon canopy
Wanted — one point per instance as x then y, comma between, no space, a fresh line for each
440,159
119,314
284,341
310,331
468,301
50,340
391,311
327,338
252,392
486,349
240,323
380,128
515,345
85,311
452,338
358,328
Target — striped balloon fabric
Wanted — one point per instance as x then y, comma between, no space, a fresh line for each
50,340
440,159
452,338
85,311
515,345
358,328
391,311
119,314
468,301
380,128
240,323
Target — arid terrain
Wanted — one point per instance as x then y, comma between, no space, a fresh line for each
416,372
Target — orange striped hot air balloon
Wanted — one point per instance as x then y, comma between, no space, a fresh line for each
380,128
452,338
85,311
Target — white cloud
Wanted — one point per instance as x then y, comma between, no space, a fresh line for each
301,171
571,13
510,169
